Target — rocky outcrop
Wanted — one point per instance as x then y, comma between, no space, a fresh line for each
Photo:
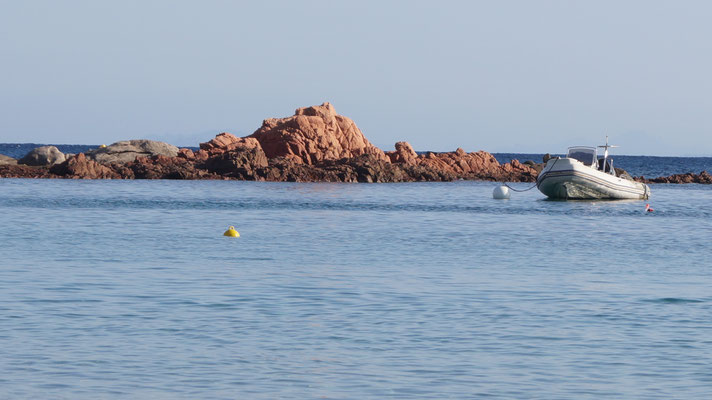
162,167
702,177
24,171
475,165
365,168
229,157
461,165
621,173
128,150
226,142
404,154
314,134
238,163
6,160
43,155
538,167
80,167
314,145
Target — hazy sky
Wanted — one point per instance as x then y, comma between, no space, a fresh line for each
502,76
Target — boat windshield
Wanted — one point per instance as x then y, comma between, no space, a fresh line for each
587,155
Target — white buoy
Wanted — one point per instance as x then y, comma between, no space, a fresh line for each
501,193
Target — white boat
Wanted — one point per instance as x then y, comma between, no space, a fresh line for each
581,175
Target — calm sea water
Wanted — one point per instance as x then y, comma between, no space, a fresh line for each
127,289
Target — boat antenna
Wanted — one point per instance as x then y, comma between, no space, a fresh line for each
605,153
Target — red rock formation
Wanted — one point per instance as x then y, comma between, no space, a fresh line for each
226,142
315,144
702,177
404,154
80,167
239,163
314,134
24,171
517,172
462,165
186,154
162,167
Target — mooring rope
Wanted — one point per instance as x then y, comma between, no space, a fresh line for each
533,186
518,190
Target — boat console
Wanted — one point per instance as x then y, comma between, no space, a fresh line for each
588,157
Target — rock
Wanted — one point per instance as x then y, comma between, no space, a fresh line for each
702,177
366,168
517,172
476,166
43,155
314,134
240,163
162,167
621,173
538,167
186,154
24,171
80,167
127,151
226,142
370,168
461,163
404,154
7,160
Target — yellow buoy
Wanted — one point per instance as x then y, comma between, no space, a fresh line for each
102,146
231,232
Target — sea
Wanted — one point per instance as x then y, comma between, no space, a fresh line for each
128,289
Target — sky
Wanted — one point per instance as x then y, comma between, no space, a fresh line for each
501,76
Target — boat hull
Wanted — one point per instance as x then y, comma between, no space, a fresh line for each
569,179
